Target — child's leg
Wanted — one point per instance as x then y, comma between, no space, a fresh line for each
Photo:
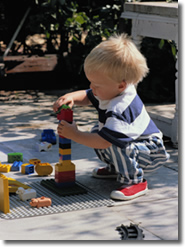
152,154
149,155
118,161
129,163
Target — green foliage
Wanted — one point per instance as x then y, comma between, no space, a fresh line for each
81,25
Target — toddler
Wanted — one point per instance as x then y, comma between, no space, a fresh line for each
126,138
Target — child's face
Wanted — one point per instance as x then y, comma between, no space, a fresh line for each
104,87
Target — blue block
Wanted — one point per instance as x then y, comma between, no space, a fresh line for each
64,140
29,169
48,135
65,157
16,166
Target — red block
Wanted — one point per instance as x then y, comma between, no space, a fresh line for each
61,177
65,114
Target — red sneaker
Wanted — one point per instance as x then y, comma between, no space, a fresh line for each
103,173
130,192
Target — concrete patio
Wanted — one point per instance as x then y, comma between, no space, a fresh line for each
21,122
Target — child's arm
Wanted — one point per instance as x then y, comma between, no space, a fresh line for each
77,98
92,140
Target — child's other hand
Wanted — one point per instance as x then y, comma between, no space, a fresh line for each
66,129
63,100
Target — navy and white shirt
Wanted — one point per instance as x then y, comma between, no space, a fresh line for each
124,118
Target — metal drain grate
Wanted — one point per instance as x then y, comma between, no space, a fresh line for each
20,209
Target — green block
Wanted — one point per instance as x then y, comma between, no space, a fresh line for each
15,157
74,190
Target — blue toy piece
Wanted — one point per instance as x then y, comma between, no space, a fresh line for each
48,135
29,169
16,166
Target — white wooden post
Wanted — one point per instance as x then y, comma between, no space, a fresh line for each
156,20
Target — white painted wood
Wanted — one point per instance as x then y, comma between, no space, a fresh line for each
157,20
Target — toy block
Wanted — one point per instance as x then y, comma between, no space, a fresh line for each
23,168
67,190
61,177
4,194
65,166
65,184
64,151
64,140
44,169
13,185
15,157
5,168
43,146
34,161
27,194
62,107
64,143
65,162
65,114
65,146
29,169
65,170
16,166
65,157
48,135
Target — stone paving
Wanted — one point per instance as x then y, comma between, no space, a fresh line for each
22,120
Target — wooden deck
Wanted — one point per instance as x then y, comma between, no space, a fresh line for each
25,64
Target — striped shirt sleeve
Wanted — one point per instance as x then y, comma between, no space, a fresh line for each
124,120
132,124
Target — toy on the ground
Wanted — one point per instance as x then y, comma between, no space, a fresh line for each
64,182
43,146
13,185
132,232
44,169
27,168
41,202
16,166
26,194
15,157
48,135
34,161
4,168
4,194
65,169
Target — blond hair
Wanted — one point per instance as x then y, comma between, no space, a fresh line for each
119,59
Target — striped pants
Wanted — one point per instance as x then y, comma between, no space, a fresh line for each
137,157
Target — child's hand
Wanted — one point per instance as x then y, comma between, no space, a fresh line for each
64,100
66,129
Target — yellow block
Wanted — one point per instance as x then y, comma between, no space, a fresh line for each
65,166
34,161
65,162
44,169
64,151
23,167
5,168
4,194
13,185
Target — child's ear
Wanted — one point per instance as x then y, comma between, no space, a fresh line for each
122,86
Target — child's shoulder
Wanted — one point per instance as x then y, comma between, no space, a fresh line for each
122,101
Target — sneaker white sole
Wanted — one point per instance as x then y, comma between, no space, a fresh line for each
94,174
118,195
